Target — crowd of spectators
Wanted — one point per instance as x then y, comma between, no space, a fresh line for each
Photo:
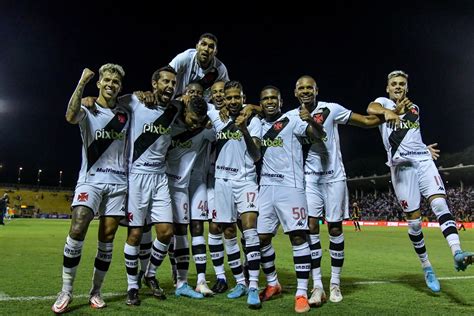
384,205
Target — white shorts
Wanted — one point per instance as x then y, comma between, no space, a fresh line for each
198,200
148,199
285,205
103,199
328,200
411,179
180,204
234,197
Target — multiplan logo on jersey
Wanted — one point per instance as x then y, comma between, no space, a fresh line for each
277,142
156,129
237,135
104,134
181,144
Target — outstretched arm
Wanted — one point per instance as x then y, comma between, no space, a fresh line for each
74,113
365,121
390,117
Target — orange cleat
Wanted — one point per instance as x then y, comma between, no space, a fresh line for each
270,291
301,304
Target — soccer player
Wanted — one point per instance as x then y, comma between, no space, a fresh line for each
413,172
199,65
356,216
149,197
326,188
282,197
102,184
215,239
189,196
238,148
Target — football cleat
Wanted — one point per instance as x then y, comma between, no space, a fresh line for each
186,290
220,286
154,285
431,280
318,297
270,291
301,304
253,300
335,295
204,289
132,297
96,301
62,302
462,259
238,291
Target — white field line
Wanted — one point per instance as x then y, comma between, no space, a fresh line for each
6,298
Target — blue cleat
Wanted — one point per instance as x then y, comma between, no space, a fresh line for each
431,280
253,299
186,290
462,259
238,291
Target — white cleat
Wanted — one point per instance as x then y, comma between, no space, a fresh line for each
318,297
62,302
336,295
96,301
204,289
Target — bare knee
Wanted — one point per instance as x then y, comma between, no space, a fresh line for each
215,228
335,229
81,217
229,231
313,223
164,232
197,228
265,239
134,236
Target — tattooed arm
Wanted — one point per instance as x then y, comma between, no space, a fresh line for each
74,113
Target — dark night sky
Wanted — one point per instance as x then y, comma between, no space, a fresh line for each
42,54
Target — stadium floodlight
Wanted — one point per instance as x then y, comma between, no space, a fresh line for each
60,177
39,176
19,174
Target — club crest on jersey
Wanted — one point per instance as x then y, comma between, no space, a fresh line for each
278,126
318,118
83,197
122,118
404,204
156,129
414,110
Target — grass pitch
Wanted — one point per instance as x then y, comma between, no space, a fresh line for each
381,275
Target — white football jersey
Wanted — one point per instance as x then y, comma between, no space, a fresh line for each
405,143
184,152
150,135
323,159
188,69
232,158
282,153
104,145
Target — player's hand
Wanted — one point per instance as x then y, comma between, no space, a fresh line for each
434,151
86,76
89,103
247,110
305,115
224,114
241,122
392,119
146,97
402,106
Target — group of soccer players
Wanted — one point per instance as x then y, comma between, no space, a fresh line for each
169,159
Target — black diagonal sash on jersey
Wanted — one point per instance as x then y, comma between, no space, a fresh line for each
99,146
221,142
396,137
185,136
145,140
273,132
